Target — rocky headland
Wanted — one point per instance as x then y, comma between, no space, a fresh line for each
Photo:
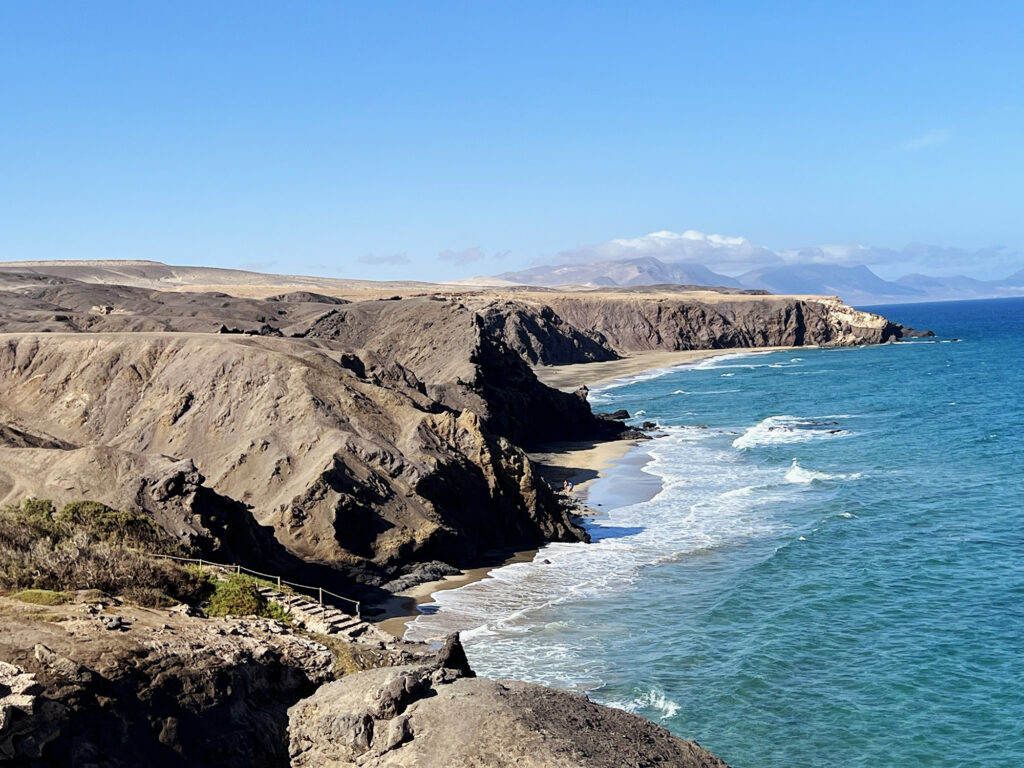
355,436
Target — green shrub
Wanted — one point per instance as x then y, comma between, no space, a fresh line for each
40,597
149,597
108,524
235,596
90,546
38,508
238,595
277,612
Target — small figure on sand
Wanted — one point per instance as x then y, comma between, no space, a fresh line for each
567,486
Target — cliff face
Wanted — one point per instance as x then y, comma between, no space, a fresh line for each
343,469
112,685
540,335
460,355
352,439
631,324
164,690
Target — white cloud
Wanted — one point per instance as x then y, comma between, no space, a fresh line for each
719,252
735,255
929,139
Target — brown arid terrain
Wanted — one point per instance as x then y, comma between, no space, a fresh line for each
98,683
360,436
354,437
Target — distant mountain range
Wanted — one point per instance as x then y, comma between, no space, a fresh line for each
645,270
855,285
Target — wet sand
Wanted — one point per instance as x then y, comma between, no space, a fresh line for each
580,463
572,377
403,606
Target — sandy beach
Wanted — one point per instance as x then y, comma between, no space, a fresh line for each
572,377
581,463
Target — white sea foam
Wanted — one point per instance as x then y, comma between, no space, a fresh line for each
602,392
711,497
647,700
800,475
726,361
779,430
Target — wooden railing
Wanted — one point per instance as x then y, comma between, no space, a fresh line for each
273,578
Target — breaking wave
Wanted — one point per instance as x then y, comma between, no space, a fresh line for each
802,476
780,430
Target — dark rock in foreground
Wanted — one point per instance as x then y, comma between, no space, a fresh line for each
434,717
144,687
113,685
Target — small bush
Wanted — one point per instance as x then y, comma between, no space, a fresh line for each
40,597
238,595
90,546
235,596
149,597
42,509
277,612
115,525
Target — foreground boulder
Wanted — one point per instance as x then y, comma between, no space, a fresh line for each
437,717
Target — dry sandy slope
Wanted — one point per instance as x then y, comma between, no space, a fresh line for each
342,469
363,435
248,284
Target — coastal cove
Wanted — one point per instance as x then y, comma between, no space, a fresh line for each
827,575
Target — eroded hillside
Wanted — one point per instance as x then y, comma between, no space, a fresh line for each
312,431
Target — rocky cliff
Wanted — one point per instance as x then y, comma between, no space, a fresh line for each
344,439
161,689
361,472
437,716
106,684
631,323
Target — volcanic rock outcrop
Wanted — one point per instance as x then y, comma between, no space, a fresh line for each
83,686
360,473
344,439
106,684
639,323
433,716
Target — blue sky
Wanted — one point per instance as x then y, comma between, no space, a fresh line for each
431,140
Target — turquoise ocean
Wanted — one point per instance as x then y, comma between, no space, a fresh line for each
830,571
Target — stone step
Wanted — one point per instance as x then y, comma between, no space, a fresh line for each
330,620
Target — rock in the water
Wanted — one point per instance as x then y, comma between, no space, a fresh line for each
911,333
